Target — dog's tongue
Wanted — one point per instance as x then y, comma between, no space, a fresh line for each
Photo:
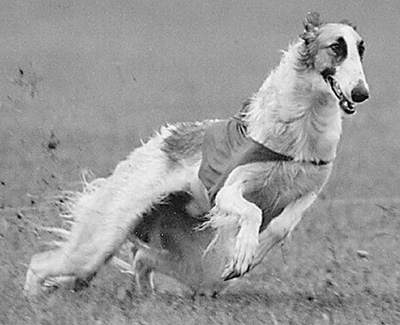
344,103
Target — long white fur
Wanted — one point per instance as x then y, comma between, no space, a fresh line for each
294,113
106,211
286,114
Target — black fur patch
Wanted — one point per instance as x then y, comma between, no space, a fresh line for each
339,48
328,72
185,141
361,50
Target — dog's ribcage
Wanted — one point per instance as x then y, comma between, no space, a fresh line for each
270,185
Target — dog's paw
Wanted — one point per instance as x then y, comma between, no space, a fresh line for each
241,262
32,285
239,231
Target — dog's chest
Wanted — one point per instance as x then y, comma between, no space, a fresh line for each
274,186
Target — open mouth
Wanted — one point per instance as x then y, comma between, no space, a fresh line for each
346,105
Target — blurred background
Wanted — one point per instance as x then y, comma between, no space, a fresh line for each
82,82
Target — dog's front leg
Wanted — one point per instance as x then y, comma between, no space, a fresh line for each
236,221
246,217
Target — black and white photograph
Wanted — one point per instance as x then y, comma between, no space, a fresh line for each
199,162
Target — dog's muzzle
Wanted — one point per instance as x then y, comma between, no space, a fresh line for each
345,104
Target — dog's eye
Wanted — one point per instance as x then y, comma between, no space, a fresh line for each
339,48
336,48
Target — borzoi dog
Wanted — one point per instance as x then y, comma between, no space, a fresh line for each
245,182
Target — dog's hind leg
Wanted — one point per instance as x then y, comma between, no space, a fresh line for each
105,215
144,264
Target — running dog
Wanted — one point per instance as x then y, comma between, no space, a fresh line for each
243,182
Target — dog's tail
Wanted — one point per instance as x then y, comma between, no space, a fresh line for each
66,202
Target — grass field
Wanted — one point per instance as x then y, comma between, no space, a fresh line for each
83,81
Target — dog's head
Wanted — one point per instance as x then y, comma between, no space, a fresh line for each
336,52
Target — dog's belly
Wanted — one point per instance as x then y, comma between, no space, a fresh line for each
177,247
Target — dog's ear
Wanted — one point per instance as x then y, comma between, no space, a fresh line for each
347,22
311,26
312,22
308,51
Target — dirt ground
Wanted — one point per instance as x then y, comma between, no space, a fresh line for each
82,82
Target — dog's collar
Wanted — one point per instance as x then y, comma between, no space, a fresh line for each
273,155
263,151
277,156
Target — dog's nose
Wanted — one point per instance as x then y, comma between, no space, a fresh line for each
359,92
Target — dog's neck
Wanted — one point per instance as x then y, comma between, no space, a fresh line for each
295,112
